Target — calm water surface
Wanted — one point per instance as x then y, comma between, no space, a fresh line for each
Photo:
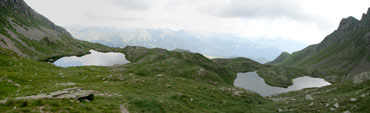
94,58
253,82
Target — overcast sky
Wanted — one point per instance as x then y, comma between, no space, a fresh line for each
303,20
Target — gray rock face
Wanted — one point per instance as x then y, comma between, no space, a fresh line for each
309,97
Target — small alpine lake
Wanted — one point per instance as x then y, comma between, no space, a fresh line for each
94,58
251,81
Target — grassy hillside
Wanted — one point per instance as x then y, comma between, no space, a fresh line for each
156,80
345,50
115,86
337,98
119,87
31,35
280,58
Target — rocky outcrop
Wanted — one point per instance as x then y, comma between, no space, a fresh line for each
71,93
360,78
308,97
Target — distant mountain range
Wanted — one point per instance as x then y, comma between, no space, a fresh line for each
347,49
261,50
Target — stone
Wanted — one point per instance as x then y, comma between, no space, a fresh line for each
363,95
236,93
60,74
336,105
65,84
159,75
3,101
332,109
74,93
17,85
309,97
346,111
10,81
280,110
310,104
360,78
353,99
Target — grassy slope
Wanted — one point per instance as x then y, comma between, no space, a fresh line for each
342,55
138,93
237,65
324,99
280,58
191,83
47,47
151,62
153,93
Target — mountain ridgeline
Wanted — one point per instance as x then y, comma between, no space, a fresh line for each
31,35
347,49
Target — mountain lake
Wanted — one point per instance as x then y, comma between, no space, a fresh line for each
252,81
94,58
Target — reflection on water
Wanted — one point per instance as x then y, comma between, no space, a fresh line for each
253,82
95,58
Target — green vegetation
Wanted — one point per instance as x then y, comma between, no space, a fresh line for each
159,80
280,58
120,85
348,97
117,85
152,62
342,51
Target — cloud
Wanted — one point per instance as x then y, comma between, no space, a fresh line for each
260,8
304,20
133,4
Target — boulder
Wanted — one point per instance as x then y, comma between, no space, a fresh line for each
360,78
309,97
65,84
60,74
336,105
74,93
346,111
353,99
